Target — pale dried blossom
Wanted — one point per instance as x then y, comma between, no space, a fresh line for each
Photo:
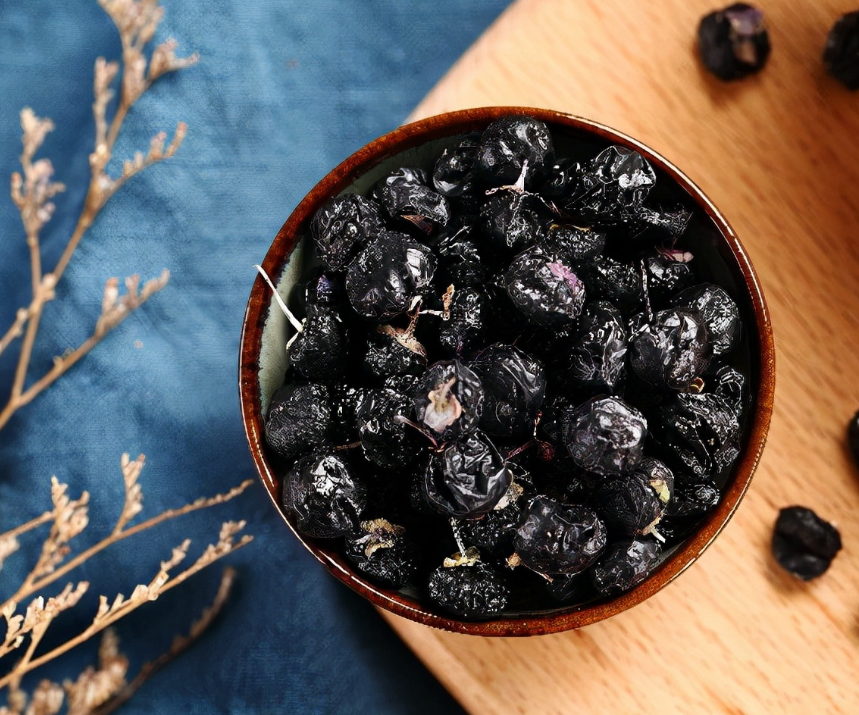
115,308
33,189
95,686
68,518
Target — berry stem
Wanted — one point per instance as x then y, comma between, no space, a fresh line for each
296,323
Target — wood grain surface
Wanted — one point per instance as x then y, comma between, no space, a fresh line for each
779,154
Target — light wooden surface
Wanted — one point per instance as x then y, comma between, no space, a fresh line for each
779,154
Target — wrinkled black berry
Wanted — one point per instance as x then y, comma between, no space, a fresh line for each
730,384
733,42
544,289
628,505
559,538
510,221
468,478
383,434
803,543
386,356
699,432
448,400
459,258
513,385
384,552
598,354
572,244
841,54
508,143
342,226
693,497
668,271
671,350
405,195
718,310
344,410
454,171
465,330
605,436
659,476
322,498
385,277
625,565
320,351
476,591
299,419
616,179
493,532
614,281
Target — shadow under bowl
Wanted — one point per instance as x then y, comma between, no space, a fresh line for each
720,259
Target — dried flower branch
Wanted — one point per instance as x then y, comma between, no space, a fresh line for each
69,518
33,189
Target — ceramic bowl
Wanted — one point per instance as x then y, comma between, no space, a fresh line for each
719,257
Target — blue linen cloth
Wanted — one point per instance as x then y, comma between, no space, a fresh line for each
283,92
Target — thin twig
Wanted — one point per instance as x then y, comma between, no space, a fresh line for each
39,584
23,528
113,616
180,645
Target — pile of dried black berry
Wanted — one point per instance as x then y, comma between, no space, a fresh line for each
510,384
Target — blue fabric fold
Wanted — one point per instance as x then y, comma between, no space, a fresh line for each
284,91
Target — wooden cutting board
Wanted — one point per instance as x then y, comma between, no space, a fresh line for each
779,154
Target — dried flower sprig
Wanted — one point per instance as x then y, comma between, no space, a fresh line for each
69,518
33,189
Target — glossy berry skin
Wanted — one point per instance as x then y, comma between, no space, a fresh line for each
510,222
559,538
573,244
615,180
733,42
299,419
448,400
628,505
803,543
668,272
465,331
405,195
545,290
459,257
598,354
384,552
454,171
508,143
670,351
476,591
614,281
700,433
320,351
625,565
659,476
493,532
385,277
322,498
730,384
386,356
718,311
693,497
605,436
468,478
384,439
344,408
841,54
342,226
562,178
514,385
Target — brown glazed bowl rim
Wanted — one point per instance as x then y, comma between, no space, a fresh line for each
760,345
